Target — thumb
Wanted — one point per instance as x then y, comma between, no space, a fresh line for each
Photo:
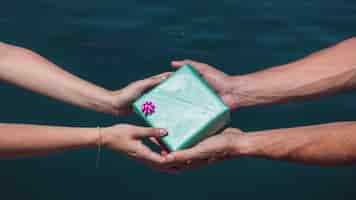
150,82
204,69
180,63
141,132
163,149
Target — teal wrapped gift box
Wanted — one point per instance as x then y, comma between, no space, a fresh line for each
186,106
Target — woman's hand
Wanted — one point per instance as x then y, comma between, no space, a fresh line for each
122,99
127,139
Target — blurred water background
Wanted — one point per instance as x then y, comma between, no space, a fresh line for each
112,43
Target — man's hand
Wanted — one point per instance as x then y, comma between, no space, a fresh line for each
322,73
122,99
331,144
217,79
213,149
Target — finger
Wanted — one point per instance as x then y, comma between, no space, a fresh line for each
204,69
164,152
196,165
154,141
180,63
201,67
162,148
162,75
150,82
183,156
147,155
143,132
179,157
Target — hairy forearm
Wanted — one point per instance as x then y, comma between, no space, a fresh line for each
29,70
329,144
325,72
31,140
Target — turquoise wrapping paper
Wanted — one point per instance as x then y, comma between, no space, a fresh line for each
187,107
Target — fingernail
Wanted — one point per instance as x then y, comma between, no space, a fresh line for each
164,77
162,132
170,157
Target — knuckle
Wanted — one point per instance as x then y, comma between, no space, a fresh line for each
180,159
133,154
141,83
229,130
160,161
154,131
134,84
124,126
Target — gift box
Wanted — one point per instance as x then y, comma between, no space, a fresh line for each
186,106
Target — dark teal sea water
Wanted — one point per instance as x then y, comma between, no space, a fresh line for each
114,42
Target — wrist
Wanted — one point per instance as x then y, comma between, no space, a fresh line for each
113,102
90,137
97,136
108,103
236,142
239,92
104,137
243,145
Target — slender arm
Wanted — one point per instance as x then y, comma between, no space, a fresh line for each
19,140
328,144
322,73
29,70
